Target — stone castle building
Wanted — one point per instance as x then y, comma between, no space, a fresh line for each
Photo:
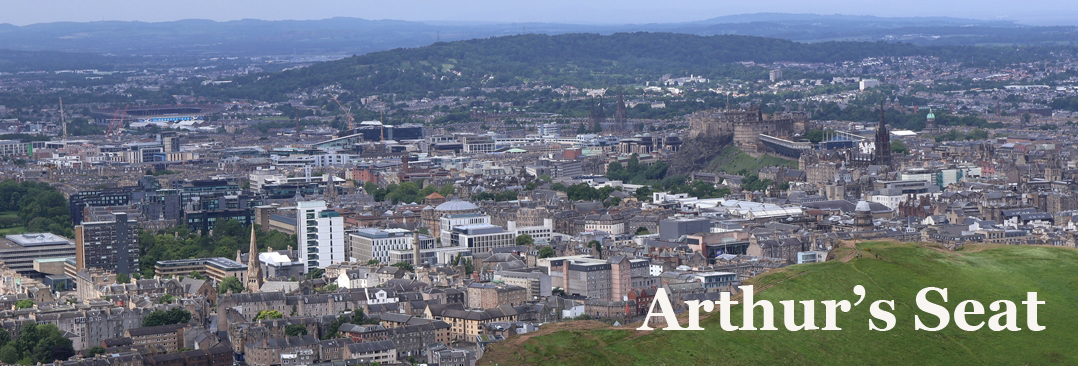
746,125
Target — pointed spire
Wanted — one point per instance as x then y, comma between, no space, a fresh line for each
254,267
254,244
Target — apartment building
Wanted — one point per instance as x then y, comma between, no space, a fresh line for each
111,245
320,233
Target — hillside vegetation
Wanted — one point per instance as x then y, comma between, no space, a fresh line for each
718,154
733,160
888,271
574,59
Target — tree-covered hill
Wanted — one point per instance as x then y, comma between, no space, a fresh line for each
575,59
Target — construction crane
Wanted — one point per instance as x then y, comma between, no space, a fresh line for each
117,123
347,111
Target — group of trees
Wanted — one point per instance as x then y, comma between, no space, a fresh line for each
406,192
585,192
1069,103
230,284
466,262
293,330
506,195
268,314
39,207
333,330
700,189
546,252
35,344
525,239
181,243
172,316
635,173
953,135
752,183
868,110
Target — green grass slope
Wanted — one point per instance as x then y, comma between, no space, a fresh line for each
985,274
733,160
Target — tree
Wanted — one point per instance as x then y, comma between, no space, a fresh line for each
230,284
172,316
359,318
643,194
167,299
899,147
9,355
546,252
333,329
404,265
123,278
95,350
24,304
196,275
814,136
642,231
525,239
597,245
315,273
293,330
269,314
372,262
633,166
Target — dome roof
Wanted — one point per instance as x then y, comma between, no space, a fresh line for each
456,205
863,206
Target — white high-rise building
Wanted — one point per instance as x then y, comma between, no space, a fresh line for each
321,235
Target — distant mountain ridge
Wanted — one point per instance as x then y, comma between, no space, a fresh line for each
349,36
791,17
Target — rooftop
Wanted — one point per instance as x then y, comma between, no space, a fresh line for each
34,240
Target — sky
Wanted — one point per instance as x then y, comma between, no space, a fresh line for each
23,12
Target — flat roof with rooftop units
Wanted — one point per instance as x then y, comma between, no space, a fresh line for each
217,268
19,251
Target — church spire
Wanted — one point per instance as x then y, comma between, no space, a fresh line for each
883,142
254,268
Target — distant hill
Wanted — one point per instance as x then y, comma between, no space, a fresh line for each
351,36
888,271
839,18
575,59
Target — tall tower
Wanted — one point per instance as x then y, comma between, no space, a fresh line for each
331,189
883,143
598,116
417,261
621,117
254,268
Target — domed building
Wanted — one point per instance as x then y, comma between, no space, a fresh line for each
432,218
862,217
931,128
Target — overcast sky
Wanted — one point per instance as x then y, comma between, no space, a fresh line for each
22,12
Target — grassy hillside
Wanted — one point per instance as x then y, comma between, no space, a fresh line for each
889,271
733,160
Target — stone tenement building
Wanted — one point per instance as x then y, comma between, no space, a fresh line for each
94,325
746,125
